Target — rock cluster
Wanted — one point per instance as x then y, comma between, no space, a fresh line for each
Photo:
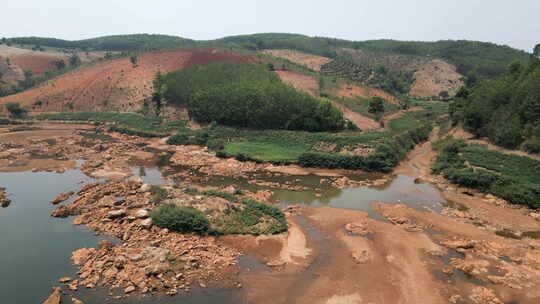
148,259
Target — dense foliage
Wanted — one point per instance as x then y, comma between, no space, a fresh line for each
246,95
386,156
324,150
506,109
514,178
180,219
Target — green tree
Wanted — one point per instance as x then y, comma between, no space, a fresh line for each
74,60
15,110
444,95
536,51
60,64
133,59
376,105
321,85
28,81
471,79
157,96
515,67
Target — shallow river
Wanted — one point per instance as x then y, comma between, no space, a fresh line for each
36,248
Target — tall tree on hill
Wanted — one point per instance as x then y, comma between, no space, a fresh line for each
74,60
134,60
537,50
157,96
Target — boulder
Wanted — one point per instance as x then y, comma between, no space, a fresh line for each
62,197
146,187
116,214
142,213
146,223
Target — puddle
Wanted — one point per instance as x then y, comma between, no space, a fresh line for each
402,189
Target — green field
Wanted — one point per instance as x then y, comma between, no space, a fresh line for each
266,151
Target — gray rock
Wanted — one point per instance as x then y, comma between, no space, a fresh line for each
142,213
147,223
146,187
116,214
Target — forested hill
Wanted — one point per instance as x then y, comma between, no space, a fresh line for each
487,59
506,109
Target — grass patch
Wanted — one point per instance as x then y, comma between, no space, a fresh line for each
266,151
128,123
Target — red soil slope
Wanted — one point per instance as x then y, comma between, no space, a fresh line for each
115,84
352,91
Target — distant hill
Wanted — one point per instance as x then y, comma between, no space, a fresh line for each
136,42
488,59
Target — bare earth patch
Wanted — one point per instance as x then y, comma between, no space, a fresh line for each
435,77
313,62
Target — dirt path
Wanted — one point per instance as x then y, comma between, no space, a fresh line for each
363,122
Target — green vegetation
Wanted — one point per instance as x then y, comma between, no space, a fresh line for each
506,110
246,95
376,105
265,151
385,157
325,150
158,194
511,177
179,87
244,216
362,106
137,42
128,123
180,219
488,59
15,110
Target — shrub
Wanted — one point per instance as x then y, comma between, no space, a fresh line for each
376,105
180,219
158,194
15,109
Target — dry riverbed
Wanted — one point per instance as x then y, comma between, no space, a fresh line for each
479,249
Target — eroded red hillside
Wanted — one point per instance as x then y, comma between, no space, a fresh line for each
115,84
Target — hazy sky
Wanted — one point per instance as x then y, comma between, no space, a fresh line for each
512,22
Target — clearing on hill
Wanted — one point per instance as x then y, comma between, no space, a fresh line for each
434,77
352,91
115,84
313,62
309,85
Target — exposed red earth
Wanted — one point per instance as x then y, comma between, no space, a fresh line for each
115,84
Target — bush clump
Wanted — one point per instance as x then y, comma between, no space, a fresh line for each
180,219
511,177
